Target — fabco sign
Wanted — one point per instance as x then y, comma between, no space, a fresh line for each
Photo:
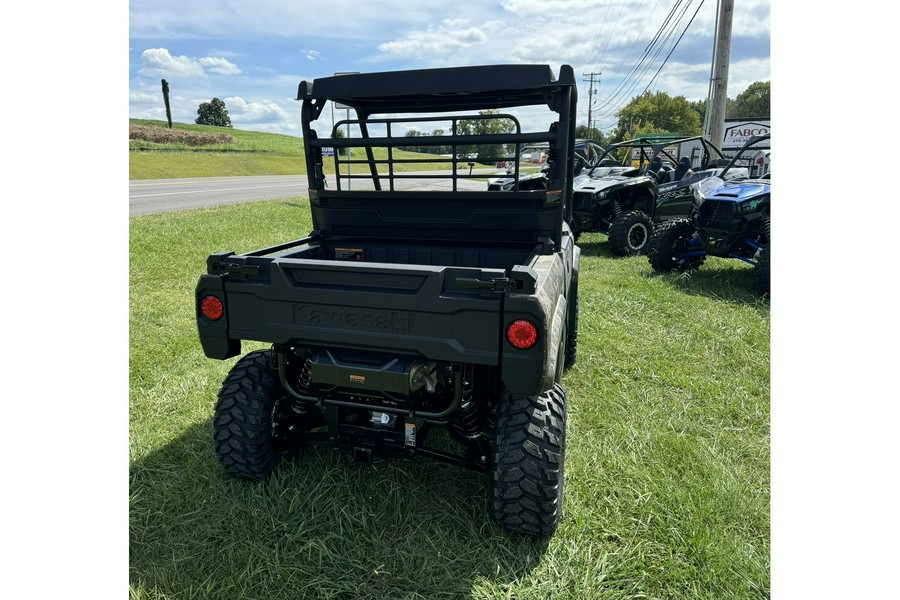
738,133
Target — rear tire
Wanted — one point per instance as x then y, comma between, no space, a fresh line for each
630,232
762,272
254,427
670,240
527,462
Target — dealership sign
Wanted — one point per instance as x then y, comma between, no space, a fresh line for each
738,133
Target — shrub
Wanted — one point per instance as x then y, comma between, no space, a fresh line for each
162,135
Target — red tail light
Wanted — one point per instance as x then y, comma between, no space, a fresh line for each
212,308
522,334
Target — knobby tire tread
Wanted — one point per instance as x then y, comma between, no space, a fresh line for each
527,462
620,228
243,418
661,247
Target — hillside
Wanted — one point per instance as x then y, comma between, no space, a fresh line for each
175,156
189,150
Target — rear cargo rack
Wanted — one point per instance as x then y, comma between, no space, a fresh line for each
452,153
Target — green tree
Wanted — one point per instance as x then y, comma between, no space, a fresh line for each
165,91
412,133
425,149
581,132
752,103
338,133
657,113
213,113
484,152
700,107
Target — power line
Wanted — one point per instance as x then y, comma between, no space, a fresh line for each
675,45
626,85
630,27
600,33
665,33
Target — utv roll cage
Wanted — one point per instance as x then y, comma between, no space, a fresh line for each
433,94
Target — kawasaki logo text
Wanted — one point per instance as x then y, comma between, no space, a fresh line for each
384,321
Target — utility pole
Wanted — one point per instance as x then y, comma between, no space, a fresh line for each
590,99
714,129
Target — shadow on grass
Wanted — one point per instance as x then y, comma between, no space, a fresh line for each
725,280
297,204
319,526
595,244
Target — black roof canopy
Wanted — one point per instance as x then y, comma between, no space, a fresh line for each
439,90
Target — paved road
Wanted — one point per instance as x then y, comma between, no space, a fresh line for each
166,195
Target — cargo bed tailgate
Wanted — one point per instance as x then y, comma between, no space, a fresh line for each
430,311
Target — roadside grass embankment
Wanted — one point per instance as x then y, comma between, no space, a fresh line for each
176,155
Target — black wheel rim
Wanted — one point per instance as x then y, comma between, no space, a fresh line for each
637,236
286,428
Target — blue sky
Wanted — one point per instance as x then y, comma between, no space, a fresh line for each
252,55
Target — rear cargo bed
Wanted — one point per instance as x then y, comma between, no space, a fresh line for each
381,251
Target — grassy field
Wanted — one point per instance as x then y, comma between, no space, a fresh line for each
667,467
251,153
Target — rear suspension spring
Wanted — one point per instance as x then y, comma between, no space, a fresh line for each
305,381
468,418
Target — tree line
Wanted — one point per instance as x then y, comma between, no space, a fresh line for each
651,112
488,125
658,112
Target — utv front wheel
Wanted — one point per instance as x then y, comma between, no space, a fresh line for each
629,233
527,462
672,246
254,427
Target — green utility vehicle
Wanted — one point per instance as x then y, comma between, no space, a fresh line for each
421,301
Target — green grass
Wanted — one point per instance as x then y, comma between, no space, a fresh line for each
252,153
667,467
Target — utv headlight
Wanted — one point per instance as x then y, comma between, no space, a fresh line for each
748,206
699,198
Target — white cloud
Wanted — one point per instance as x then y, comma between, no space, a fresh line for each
143,97
449,36
147,103
157,62
340,19
606,38
219,66
745,72
264,115
753,18
555,7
